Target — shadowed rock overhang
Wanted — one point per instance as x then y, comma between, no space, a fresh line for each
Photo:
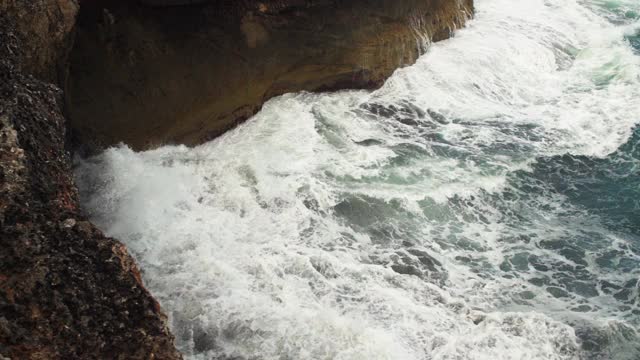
151,75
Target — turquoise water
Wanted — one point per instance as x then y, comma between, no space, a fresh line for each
483,204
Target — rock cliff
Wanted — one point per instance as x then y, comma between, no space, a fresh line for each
151,75
147,73
66,290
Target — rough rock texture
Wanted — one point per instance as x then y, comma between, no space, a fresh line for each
66,291
43,28
152,72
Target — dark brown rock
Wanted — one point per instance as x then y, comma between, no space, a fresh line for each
44,31
184,74
66,290
147,73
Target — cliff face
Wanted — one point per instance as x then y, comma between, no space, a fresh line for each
66,291
146,73
156,73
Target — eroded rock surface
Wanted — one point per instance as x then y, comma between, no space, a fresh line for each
147,73
156,73
66,290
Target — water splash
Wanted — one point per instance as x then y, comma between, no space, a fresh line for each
483,204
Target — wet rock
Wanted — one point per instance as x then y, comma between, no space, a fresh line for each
188,73
66,290
147,75
39,36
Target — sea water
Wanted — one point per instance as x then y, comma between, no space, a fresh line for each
483,204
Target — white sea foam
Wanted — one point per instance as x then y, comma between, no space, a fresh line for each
279,239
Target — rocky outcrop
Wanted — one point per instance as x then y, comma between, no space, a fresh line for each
153,72
66,290
147,73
